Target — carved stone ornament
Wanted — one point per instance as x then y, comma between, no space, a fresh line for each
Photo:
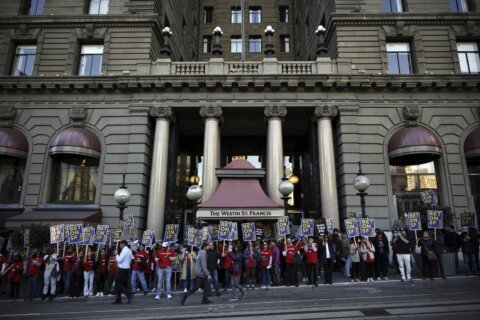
275,111
211,112
326,112
77,115
7,115
412,113
161,112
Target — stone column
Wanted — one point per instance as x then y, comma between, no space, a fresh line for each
158,175
274,167
328,177
211,149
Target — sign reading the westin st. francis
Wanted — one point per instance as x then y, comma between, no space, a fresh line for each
240,213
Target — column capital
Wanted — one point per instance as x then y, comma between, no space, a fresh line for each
325,112
7,115
278,111
161,112
211,111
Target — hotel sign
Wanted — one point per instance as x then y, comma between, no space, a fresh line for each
240,213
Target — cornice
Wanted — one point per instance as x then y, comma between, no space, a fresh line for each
408,18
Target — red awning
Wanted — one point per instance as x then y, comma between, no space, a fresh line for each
472,145
54,217
13,143
413,145
76,141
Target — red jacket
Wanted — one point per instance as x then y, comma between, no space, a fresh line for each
227,261
266,255
311,253
34,267
87,264
102,264
163,256
290,257
138,257
68,260
15,273
112,265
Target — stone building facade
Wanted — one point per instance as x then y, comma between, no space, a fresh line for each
97,89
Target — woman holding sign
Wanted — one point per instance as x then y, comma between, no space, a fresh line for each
368,255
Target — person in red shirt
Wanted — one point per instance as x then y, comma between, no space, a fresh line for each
266,255
15,275
88,274
310,250
33,273
251,254
290,252
164,257
3,267
68,269
112,271
100,273
226,265
140,263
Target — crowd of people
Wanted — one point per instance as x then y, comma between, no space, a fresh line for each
231,265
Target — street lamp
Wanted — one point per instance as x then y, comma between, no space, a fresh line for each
217,47
322,50
269,51
194,194
122,196
361,184
165,50
286,188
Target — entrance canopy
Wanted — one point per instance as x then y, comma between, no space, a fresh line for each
239,196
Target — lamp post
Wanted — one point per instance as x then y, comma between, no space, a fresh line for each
165,50
269,51
322,50
286,188
122,196
361,184
217,47
194,194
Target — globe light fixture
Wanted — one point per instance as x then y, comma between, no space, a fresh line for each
122,197
361,183
286,188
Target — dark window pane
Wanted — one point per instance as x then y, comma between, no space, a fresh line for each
11,179
404,63
392,63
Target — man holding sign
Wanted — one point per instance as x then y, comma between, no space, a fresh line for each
164,257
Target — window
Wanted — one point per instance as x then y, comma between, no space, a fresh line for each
283,14
255,14
24,60
236,44
208,15
459,5
284,43
468,56
255,44
11,178
33,7
74,178
236,15
207,44
98,7
392,6
91,60
398,57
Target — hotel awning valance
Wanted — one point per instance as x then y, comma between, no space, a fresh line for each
472,145
54,217
413,145
74,140
13,143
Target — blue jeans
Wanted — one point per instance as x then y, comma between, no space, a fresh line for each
141,277
469,262
32,286
266,277
67,280
214,275
188,282
167,272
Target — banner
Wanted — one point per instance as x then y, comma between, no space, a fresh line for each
171,233
9,247
329,223
101,234
268,233
57,234
351,226
198,238
26,238
321,229
132,234
88,236
66,236
75,233
128,222
148,238
297,231
207,234
248,231
413,221
429,197
191,236
215,232
283,226
308,227
367,227
467,219
116,235
435,219
234,231
224,229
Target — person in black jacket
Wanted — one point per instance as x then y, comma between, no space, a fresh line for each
439,248
327,258
428,260
212,266
382,252
403,244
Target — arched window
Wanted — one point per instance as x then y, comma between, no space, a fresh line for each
413,152
13,152
472,155
76,153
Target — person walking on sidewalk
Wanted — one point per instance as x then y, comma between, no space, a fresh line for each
202,276
140,263
328,256
212,265
236,272
124,259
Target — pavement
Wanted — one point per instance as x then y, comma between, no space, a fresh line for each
457,296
